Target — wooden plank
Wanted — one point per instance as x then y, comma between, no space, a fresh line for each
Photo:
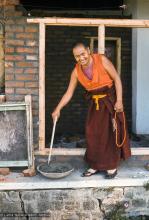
28,100
118,57
140,23
12,104
14,163
11,108
32,164
27,130
91,44
41,86
61,151
81,151
101,39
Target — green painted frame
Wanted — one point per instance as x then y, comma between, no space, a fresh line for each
21,106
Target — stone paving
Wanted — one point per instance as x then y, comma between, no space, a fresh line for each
130,173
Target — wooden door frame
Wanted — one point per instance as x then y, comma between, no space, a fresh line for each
81,22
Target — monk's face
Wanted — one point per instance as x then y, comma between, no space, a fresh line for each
82,55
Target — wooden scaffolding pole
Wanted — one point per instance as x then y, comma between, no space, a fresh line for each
101,39
41,86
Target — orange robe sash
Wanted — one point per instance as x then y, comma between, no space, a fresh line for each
100,76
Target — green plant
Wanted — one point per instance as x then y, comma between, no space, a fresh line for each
146,186
117,213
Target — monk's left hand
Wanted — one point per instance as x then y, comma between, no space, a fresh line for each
118,106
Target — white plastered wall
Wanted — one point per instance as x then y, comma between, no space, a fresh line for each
139,9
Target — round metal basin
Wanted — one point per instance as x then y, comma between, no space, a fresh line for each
55,170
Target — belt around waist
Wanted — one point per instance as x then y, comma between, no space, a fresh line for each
97,98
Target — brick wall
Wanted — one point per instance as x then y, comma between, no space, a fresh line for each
21,60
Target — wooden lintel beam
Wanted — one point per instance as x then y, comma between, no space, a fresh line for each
91,22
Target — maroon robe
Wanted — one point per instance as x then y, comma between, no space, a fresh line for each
102,152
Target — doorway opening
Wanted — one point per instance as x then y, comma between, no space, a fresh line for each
59,63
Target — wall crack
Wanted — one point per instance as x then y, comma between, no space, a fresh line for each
22,204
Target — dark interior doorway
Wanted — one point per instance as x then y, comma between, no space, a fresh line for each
60,63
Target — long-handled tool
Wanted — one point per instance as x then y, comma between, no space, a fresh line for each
52,138
56,169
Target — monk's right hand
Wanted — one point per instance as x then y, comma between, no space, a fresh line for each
55,115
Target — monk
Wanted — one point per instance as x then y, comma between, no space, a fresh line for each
106,131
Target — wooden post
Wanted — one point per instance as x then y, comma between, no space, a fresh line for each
2,72
41,86
101,39
28,101
92,45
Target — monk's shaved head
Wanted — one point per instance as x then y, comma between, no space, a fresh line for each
79,44
81,53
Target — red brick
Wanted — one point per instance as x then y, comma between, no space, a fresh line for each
2,178
10,13
15,42
31,70
2,98
31,43
26,50
14,28
9,2
26,91
25,77
9,97
25,36
25,64
9,64
10,21
8,34
9,8
19,70
31,84
21,20
9,50
11,70
29,172
9,90
9,76
14,57
4,171
14,97
12,84
31,28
